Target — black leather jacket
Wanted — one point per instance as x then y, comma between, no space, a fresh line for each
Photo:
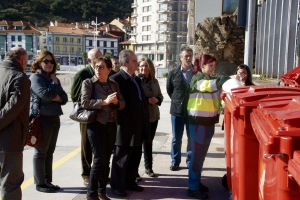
177,90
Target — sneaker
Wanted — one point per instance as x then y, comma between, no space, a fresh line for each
150,172
197,194
174,167
203,188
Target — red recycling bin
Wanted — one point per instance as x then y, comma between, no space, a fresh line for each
277,128
294,168
241,145
292,78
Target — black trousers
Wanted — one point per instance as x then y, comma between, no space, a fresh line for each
102,138
125,166
148,158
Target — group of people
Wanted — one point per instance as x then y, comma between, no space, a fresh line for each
127,118
195,104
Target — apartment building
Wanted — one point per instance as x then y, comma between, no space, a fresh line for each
159,29
18,33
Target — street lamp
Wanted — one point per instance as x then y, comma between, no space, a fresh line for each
96,31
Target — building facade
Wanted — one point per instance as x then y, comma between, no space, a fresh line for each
159,29
18,33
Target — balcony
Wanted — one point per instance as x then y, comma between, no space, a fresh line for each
133,5
167,1
167,20
167,10
134,14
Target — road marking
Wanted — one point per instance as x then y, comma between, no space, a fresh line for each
58,163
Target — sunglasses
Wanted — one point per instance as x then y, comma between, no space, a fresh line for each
101,67
48,61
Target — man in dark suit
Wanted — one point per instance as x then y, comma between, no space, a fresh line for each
86,150
132,127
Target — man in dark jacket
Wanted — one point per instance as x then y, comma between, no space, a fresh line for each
177,87
14,118
86,150
132,127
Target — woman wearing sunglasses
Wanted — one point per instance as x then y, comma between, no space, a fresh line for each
47,97
101,94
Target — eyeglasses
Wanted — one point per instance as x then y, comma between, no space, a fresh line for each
48,61
97,67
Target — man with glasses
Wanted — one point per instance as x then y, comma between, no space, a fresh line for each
177,88
86,151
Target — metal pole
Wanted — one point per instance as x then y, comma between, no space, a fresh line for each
249,34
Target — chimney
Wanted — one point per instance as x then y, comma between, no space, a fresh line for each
76,24
55,23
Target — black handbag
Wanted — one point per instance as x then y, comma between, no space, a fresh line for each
82,115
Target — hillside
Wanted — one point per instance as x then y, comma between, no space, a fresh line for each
40,12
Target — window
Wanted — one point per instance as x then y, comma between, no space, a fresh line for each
13,38
72,50
71,40
90,43
98,43
19,38
65,40
112,44
78,41
19,27
79,50
65,49
146,28
146,8
3,28
50,39
44,40
56,39
57,49
146,18
104,44
146,37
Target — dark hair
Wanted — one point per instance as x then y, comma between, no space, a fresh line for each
105,59
249,74
205,59
197,67
37,61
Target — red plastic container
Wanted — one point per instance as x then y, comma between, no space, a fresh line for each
241,145
292,78
294,167
277,128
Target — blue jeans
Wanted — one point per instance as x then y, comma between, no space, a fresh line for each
200,138
178,123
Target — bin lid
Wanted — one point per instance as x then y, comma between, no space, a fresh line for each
252,95
283,117
294,166
277,126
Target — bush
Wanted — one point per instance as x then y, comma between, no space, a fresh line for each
165,75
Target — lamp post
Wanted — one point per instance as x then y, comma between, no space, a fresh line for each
96,31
